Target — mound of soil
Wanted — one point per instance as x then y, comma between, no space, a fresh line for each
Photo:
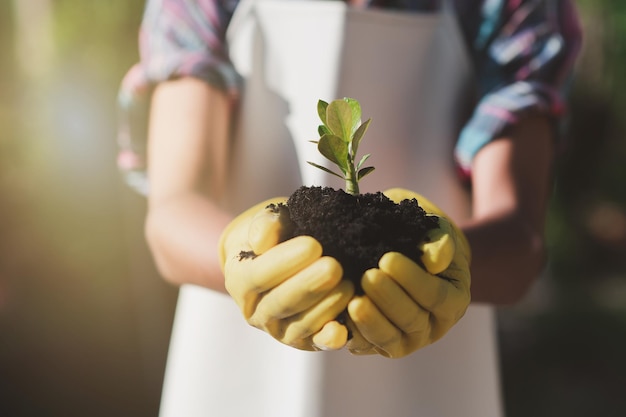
358,230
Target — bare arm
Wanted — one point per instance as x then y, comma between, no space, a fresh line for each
511,180
187,154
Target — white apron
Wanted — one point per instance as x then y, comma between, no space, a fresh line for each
408,71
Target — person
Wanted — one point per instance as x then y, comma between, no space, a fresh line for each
196,80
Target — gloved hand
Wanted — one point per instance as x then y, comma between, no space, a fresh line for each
288,289
406,307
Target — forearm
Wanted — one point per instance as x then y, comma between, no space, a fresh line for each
507,256
511,182
183,234
187,154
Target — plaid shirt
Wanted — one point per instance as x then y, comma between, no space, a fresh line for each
523,53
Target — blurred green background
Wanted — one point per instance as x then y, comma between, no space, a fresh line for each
85,319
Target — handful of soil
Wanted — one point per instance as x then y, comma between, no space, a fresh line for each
358,230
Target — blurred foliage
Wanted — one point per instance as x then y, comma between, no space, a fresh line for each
587,224
562,348
75,281
603,65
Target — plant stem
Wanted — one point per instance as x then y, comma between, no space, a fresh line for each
351,187
352,184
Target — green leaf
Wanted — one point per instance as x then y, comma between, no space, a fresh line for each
323,130
335,150
355,106
321,110
340,134
339,119
358,135
363,172
324,169
362,161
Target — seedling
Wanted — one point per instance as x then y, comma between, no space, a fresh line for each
341,133
356,229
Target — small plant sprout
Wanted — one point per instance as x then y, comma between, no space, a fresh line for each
341,133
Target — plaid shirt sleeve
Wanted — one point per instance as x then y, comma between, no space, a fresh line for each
177,38
523,53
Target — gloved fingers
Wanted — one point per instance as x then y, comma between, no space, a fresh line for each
458,272
439,248
235,277
235,235
435,294
357,344
375,327
276,329
394,302
280,262
444,257
246,277
269,227
332,336
299,292
311,321
387,340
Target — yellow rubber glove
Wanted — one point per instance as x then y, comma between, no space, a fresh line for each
287,289
406,307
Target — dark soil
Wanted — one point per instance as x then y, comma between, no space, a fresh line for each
358,230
